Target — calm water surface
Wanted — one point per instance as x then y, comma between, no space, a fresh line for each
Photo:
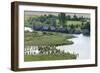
81,46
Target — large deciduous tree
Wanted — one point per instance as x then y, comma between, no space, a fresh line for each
62,19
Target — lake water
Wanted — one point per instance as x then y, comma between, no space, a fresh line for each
81,46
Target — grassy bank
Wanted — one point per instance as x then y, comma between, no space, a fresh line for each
47,38
66,56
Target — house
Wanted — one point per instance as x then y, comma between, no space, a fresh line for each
37,27
45,27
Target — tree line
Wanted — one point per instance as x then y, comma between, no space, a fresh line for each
59,22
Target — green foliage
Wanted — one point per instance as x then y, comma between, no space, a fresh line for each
64,56
75,17
62,19
68,17
34,38
86,26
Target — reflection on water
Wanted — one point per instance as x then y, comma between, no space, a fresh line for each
81,46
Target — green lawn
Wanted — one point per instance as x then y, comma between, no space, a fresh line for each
70,22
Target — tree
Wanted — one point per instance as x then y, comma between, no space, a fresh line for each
42,18
81,18
75,17
86,26
62,19
68,17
